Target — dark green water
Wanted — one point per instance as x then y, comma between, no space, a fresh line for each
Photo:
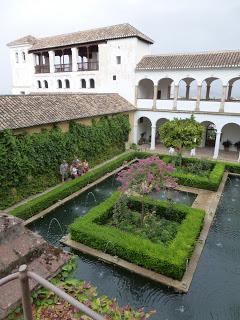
215,289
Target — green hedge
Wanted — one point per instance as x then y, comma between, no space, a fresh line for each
27,210
187,179
168,260
30,162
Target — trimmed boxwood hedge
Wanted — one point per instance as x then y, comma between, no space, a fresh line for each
168,260
36,205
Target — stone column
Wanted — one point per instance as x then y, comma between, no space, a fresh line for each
155,91
52,61
224,94
136,95
74,59
153,137
217,144
187,91
135,133
208,91
229,94
199,91
176,89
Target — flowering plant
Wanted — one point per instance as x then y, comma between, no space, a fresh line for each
145,176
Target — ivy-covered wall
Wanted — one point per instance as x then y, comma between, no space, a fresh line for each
30,163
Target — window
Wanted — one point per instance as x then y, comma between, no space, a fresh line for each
23,56
39,84
16,57
114,77
59,84
67,84
83,84
92,83
118,58
46,84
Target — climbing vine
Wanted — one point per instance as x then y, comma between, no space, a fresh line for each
30,163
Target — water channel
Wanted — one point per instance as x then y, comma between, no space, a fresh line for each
215,290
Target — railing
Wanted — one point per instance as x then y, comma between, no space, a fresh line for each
42,68
23,275
90,65
67,67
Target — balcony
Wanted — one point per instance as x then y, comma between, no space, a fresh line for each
88,66
67,67
42,68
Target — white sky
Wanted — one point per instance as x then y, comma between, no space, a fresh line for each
175,25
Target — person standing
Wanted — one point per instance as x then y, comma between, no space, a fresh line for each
64,170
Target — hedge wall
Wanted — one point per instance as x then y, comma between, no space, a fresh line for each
34,206
168,260
30,163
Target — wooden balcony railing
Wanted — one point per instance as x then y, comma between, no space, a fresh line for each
67,67
86,66
42,68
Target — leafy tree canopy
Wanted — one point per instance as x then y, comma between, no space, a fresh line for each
181,133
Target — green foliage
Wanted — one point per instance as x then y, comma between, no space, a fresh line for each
30,208
181,133
169,260
47,305
30,163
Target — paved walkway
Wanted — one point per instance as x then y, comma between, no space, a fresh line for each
202,153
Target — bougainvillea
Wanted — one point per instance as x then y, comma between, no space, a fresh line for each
146,175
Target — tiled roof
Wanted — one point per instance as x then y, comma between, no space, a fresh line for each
87,36
223,59
22,111
25,40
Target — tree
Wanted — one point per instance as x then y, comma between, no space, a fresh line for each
146,175
181,133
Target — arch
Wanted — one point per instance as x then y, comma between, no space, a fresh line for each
159,122
39,85
59,82
144,125
187,89
211,89
209,134
83,84
165,89
92,83
67,84
234,89
230,132
145,89
45,84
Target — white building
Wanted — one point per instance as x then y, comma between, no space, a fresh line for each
162,87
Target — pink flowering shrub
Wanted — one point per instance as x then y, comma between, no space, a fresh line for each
145,176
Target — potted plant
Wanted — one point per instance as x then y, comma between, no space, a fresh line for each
227,144
237,145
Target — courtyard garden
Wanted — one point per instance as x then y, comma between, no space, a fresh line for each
117,214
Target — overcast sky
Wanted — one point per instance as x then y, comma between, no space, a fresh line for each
175,25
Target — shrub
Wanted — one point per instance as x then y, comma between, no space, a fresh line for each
44,201
169,260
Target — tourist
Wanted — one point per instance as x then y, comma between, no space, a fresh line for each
85,166
64,170
73,170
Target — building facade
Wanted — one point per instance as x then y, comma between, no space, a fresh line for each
117,59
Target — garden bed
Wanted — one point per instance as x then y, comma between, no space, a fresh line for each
169,259
193,172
